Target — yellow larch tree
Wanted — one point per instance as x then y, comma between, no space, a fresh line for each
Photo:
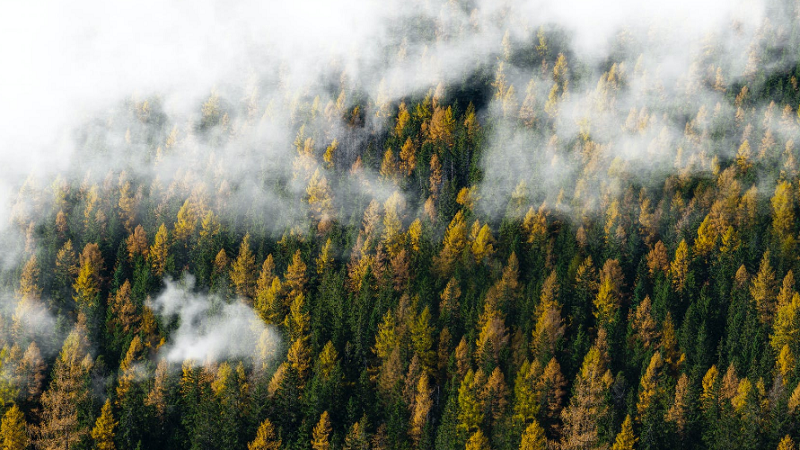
526,401
14,430
533,438
587,406
299,359
786,326
29,281
103,431
414,235
559,91
60,424
606,302
159,250
500,83
330,155
549,324
449,298
626,439
455,240
677,412
31,373
421,408
785,363
643,325
763,290
221,262
393,223
468,197
324,260
787,290
482,247
478,441
127,206
186,222
470,407
650,388
435,179
389,166
657,259
266,439
493,334
297,322
157,397
710,387
679,267
787,443
706,238
495,396
743,156
265,278
296,276
328,359
320,201
320,439
137,243
783,215
243,270
87,285
209,227
403,117
408,157
127,369
471,121
123,310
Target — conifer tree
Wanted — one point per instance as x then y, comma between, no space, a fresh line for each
587,407
421,408
243,270
67,395
679,267
137,243
320,200
786,443
87,285
763,290
322,431
103,431
31,373
533,438
625,439
470,408
14,430
678,411
296,277
649,385
478,441
266,439
455,239
158,251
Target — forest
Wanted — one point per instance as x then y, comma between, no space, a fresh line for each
545,251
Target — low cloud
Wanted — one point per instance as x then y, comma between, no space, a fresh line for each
208,328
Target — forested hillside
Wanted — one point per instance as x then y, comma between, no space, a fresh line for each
546,251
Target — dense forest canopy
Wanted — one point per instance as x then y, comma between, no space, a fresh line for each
424,224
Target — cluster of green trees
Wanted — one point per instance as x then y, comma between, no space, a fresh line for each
641,315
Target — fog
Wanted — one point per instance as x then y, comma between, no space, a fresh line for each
208,329
72,69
